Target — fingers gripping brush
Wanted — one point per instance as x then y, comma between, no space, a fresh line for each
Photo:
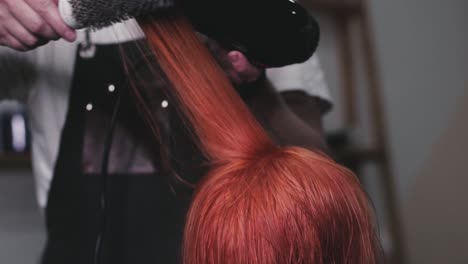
101,13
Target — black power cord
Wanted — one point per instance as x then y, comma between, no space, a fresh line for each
105,179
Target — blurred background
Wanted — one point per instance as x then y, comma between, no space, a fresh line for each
398,73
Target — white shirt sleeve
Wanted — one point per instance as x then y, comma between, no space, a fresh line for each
47,105
307,76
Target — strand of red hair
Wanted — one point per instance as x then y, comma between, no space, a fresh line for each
259,203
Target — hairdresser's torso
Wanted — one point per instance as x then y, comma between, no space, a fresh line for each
42,79
111,198
114,195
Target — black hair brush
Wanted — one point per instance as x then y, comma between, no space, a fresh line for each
101,13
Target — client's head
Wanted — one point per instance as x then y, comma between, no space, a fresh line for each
287,206
259,203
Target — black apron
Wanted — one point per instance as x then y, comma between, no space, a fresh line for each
139,218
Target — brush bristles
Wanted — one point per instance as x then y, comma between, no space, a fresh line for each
101,13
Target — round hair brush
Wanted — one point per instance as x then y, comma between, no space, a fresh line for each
101,13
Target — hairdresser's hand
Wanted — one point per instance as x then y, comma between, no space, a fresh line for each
27,24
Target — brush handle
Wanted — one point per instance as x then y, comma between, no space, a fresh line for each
66,11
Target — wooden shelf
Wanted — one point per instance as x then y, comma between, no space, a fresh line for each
15,160
360,155
344,14
339,7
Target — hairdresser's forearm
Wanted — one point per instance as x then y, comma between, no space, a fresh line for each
291,130
283,125
309,110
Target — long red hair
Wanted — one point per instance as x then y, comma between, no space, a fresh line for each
259,203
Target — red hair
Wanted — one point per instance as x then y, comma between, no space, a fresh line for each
259,203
